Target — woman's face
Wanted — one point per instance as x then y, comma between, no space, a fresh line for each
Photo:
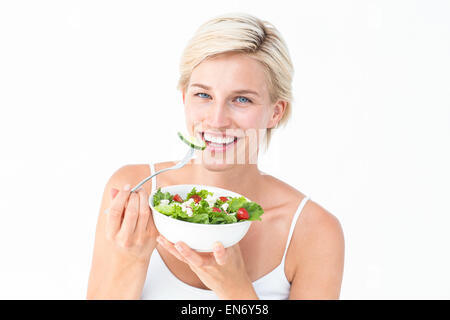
227,104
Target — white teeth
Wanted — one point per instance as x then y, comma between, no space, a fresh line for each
214,139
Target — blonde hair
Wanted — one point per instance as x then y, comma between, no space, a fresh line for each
241,32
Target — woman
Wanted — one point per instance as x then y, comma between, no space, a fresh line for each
235,80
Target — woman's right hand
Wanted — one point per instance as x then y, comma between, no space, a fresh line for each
130,229
125,239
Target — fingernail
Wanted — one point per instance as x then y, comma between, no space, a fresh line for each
114,192
126,187
160,240
178,247
216,246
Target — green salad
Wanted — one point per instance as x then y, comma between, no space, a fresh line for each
204,207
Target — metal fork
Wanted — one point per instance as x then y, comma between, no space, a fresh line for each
179,165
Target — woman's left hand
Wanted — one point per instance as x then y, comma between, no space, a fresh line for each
223,271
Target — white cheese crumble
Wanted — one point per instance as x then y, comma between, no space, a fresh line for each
225,206
164,201
186,207
211,200
188,211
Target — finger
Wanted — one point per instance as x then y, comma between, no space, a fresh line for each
190,255
130,217
220,254
166,244
114,192
151,222
144,212
114,217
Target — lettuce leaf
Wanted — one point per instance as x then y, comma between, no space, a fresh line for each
201,207
222,218
202,212
160,196
172,210
254,210
202,193
236,203
219,202
166,209
199,218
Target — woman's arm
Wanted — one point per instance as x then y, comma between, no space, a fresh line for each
318,256
124,240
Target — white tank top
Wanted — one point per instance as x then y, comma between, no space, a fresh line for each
162,284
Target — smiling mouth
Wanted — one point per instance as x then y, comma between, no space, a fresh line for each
217,144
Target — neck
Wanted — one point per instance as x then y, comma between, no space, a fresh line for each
240,178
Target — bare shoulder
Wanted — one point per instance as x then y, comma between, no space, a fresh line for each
282,194
317,241
133,174
315,217
130,174
317,229
315,259
317,221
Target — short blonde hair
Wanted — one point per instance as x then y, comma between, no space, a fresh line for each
241,32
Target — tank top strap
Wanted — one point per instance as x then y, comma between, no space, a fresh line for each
293,223
152,171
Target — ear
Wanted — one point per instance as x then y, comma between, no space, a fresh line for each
183,92
277,113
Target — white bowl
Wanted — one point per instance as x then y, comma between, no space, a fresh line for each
200,237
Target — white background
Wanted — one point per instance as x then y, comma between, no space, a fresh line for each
89,86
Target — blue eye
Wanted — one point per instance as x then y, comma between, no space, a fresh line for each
243,101
201,93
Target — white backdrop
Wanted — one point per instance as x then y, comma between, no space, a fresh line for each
89,86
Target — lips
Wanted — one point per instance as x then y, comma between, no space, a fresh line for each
214,146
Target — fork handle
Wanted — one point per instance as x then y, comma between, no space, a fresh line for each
180,164
148,178
144,181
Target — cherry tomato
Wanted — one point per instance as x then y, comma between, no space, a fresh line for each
196,198
242,214
224,199
177,198
215,209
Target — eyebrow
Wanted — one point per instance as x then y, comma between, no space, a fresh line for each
244,91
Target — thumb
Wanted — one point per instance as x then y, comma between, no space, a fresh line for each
220,253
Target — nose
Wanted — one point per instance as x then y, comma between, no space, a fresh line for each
218,115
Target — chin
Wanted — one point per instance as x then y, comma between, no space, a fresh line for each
217,165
